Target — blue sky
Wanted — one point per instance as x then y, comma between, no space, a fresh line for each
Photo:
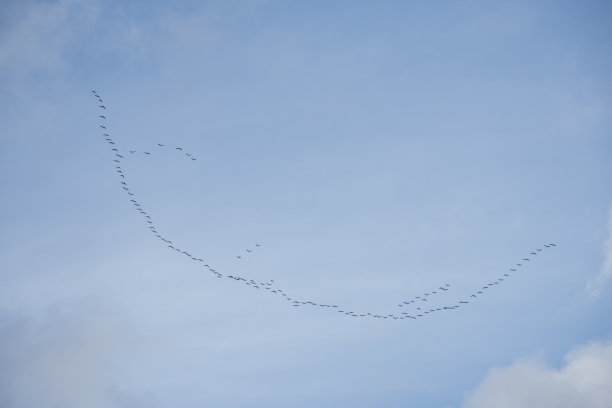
375,150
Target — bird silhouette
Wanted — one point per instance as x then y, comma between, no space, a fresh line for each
269,286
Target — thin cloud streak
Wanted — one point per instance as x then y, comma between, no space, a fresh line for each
595,285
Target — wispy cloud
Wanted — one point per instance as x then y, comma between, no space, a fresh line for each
65,357
595,284
40,35
124,399
584,381
59,38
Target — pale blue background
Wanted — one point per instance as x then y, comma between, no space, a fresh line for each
374,149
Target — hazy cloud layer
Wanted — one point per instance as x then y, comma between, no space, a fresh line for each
65,358
584,381
37,41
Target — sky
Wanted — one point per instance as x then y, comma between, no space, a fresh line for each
375,151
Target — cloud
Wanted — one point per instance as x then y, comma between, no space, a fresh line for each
123,399
40,35
595,284
584,381
59,38
65,358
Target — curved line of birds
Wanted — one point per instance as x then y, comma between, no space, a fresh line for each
416,304
160,145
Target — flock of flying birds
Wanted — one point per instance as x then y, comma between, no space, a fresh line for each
415,307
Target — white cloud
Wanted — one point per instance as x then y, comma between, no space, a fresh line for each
585,381
594,285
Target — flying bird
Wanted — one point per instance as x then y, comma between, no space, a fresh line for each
268,286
